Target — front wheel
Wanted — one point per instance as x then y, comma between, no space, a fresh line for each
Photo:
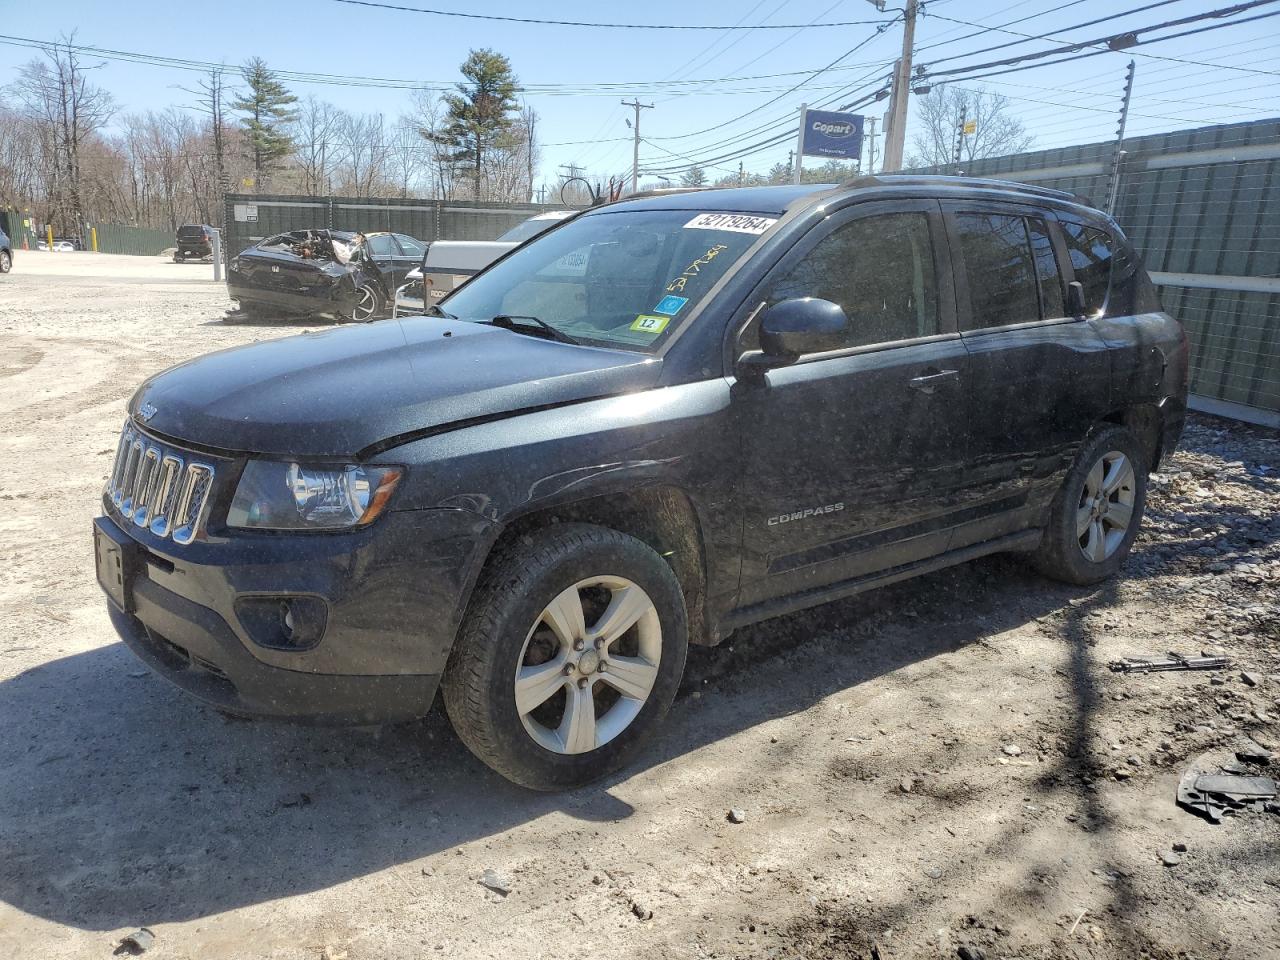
1094,518
569,657
6,261
368,304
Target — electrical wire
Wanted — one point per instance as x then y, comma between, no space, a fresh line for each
607,26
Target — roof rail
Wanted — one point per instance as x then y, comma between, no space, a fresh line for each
912,179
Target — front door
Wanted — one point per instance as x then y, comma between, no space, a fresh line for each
851,458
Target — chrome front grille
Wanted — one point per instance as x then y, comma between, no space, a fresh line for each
159,487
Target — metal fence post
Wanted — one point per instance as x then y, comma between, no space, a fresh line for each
217,255
1114,188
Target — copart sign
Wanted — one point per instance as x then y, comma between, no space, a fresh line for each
829,134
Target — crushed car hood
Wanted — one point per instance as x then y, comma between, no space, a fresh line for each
338,392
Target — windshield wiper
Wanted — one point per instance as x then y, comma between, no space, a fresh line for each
439,312
509,321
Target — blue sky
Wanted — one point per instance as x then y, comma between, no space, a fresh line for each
584,124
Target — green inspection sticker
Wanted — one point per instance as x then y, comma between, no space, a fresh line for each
646,323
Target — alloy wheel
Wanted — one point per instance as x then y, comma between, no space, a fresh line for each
1106,506
588,665
366,305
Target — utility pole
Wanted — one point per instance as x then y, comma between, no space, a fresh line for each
871,145
799,151
964,107
635,142
1114,191
742,176
895,134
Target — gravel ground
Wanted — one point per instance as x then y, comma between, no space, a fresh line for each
944,768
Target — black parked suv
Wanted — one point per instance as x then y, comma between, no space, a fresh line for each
660,421
194,240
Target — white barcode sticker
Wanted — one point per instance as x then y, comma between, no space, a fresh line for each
732,222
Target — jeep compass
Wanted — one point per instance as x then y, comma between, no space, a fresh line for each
661,420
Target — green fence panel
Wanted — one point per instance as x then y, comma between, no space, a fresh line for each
119,238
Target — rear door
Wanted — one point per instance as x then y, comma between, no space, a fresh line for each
850,457
408,258
1038,379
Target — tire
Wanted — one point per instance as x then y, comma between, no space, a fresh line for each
509,628
368,304
6,261
1096,514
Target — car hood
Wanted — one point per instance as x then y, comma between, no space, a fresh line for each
337,393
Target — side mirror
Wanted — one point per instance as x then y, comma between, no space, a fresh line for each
793,328
1075,299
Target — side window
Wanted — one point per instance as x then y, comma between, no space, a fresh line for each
1090,251
1001,272
879,269
1052,306
410,246
381,246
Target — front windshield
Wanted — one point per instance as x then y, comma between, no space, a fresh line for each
623,279
530,228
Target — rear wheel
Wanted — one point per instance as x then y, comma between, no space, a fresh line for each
569,657
1095,516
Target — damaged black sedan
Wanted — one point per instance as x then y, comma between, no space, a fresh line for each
334,274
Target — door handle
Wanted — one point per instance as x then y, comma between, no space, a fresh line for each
929,382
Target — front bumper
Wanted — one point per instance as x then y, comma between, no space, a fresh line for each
393,593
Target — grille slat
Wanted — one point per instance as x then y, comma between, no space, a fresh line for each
158,487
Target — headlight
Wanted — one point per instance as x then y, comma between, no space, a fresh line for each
293,496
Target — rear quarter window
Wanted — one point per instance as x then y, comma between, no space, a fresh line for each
1090,252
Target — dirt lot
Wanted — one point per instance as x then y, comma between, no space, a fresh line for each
946,764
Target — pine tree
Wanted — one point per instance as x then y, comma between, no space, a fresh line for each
695,176
266,106
481,111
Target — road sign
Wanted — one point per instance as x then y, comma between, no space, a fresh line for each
970,127
833,135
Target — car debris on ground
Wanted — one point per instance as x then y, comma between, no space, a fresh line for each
136,943
1172,661
1213,788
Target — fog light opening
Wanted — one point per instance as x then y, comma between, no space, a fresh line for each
283,623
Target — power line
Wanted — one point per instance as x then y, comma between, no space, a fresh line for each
1103,41
608,26
1098,53
1028,37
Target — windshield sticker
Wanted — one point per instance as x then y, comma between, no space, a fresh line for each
733,222
670,305
646,323
693,269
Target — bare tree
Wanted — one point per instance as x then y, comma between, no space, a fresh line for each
406,154
212,103
997,132
427,116
314,134
363,140
57,95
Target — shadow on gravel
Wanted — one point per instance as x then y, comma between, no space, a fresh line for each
127,803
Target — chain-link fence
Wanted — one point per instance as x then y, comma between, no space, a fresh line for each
1203,208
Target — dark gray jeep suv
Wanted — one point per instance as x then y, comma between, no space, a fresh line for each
659,421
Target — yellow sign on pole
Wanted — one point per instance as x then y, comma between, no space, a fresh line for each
970,126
